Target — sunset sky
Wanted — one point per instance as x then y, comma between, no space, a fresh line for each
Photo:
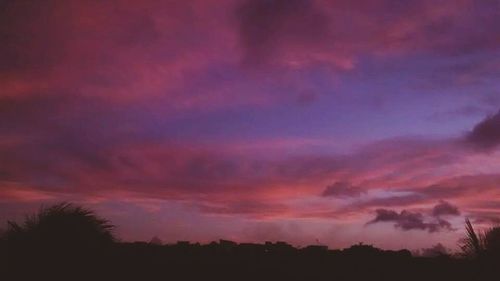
331,122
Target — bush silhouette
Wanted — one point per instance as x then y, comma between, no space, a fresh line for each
492,241
62,236
61,224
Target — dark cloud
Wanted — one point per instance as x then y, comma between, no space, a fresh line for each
486,134
342,189
31,112
445,209
141,30
453,34
266,26
34,35
272,28
407,220
46,131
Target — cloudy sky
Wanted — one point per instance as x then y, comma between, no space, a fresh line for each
316,121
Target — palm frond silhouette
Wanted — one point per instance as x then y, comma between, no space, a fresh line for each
56,241
472,244
476,244
61,224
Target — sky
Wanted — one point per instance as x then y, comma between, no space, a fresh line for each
307,121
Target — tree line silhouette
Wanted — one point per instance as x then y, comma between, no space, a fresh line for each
68,242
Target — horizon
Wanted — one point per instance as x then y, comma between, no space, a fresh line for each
255,120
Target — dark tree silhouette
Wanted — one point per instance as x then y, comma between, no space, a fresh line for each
61,224
492,241
58,239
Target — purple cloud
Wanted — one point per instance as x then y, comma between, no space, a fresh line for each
445,209
486,134
407,220
342,189
269,27
134,100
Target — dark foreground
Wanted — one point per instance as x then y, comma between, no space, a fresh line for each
67,242
226,260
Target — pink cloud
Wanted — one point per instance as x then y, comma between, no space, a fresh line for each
95,97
